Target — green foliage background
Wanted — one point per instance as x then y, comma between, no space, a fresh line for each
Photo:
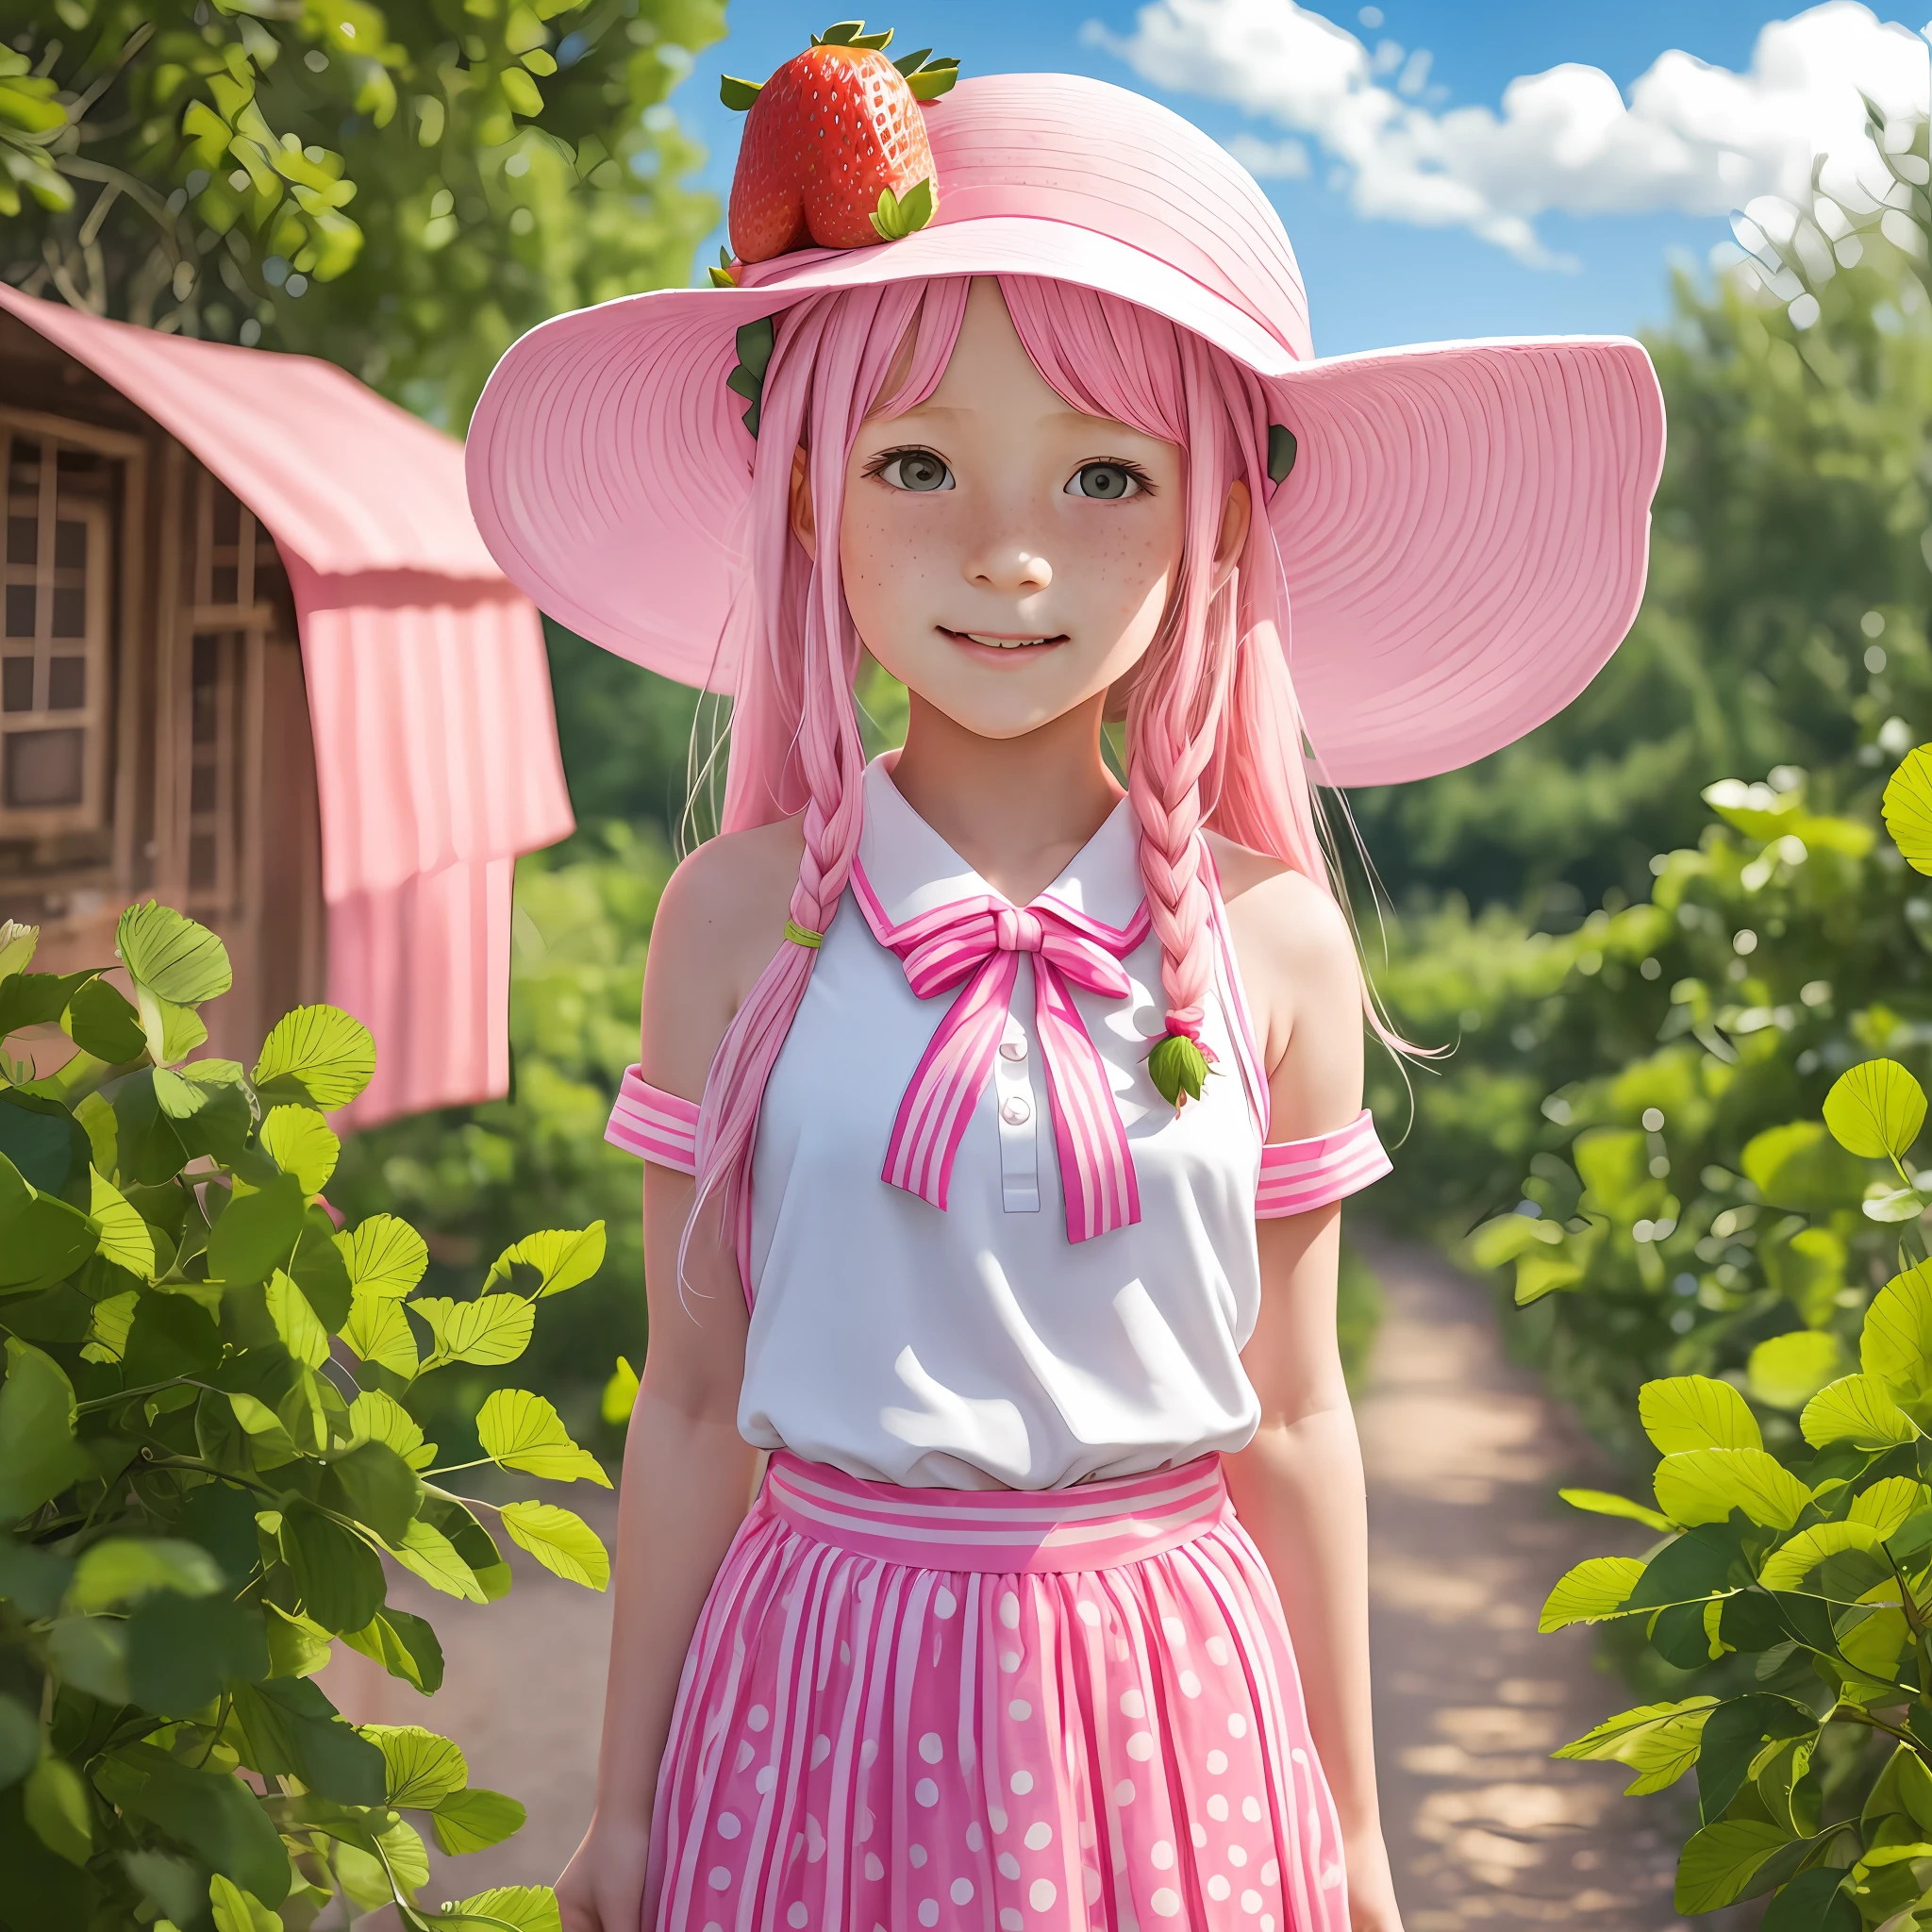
403,188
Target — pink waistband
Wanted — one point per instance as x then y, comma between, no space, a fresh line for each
1092,1526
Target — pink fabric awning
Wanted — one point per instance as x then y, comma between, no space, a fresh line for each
436,751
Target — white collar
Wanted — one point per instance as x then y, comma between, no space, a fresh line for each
904,868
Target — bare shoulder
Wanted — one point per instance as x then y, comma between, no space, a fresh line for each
721,919
1293,946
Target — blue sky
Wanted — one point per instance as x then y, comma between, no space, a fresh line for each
1374,281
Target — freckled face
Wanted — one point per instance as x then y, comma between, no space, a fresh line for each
1005,556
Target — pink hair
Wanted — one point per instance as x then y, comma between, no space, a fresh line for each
1214,735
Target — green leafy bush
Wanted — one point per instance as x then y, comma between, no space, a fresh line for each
208,1450
1813,1570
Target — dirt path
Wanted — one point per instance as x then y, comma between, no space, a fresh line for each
1466,1536
1463,1455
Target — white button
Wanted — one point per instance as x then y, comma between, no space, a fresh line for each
1013,1049
1015,1111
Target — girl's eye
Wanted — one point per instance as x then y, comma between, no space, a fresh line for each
915,469
1107,482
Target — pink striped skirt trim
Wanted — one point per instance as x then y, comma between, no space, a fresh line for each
992,1710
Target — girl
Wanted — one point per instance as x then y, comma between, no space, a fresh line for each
996,1120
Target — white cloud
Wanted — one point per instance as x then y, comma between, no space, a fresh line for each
1286,160
1691,137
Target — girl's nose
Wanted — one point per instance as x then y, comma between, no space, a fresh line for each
1006,563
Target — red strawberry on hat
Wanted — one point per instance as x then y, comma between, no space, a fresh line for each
835,154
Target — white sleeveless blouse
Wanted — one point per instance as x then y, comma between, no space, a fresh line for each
998,1341
979,1345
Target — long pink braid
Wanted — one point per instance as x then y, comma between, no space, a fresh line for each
796,743
1214,735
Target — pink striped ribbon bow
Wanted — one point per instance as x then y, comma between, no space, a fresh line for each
980,941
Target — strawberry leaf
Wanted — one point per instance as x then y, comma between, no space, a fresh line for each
929,83
899,216
738,95
722,276
911,63
841,34
877,42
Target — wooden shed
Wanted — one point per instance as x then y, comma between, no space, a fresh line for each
255,661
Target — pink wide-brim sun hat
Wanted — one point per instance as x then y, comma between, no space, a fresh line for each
1465,529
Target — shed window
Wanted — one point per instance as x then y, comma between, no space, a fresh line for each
53,646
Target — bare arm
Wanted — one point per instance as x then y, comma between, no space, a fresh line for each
1298,1486
688,1475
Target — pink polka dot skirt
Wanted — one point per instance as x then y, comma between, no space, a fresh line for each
992,1710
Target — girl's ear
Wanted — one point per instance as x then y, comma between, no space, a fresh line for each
1234,532
803,525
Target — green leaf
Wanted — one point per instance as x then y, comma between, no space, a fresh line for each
302,1335
431,1555
1659,1741
42,1239
1602,1503
424,1769
1695,1485
1597,1589
1814,1901
1896,1345
373,1485
1876,1110
738,95
317,1054
17,944
122,1569
100,1020
170,1336
381,1418
1894,1204
384,1257
619,1394
379,1331
90,1653
213,1815
46,1143
1853,1550
1176,1066
1800,1165
1786,1371
899,215
404,1645
934,79
1909,807
491,1330
56,1804
236,1910
171,955
1856,1410
1498,1242
1540,1272
1733,1738
108,1327
20,1742
172,1033
125,1238
527,1908
563,1543
301,1142
1696,1412
38,1457
257,1231
563,1257
1889,1504
1614,1163
338,1576
183,1651
1808,1271
293,1729
1718,1863
297,1646
524,1432
472,1820
33,999
33,1578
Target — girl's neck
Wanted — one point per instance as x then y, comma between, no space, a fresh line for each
1016,809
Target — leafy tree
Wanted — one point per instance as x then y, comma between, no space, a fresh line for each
1784,620
211,1437
402,188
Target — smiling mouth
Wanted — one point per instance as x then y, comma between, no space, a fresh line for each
997,641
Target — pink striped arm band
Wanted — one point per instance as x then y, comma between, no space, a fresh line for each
1300,1176
653,1125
